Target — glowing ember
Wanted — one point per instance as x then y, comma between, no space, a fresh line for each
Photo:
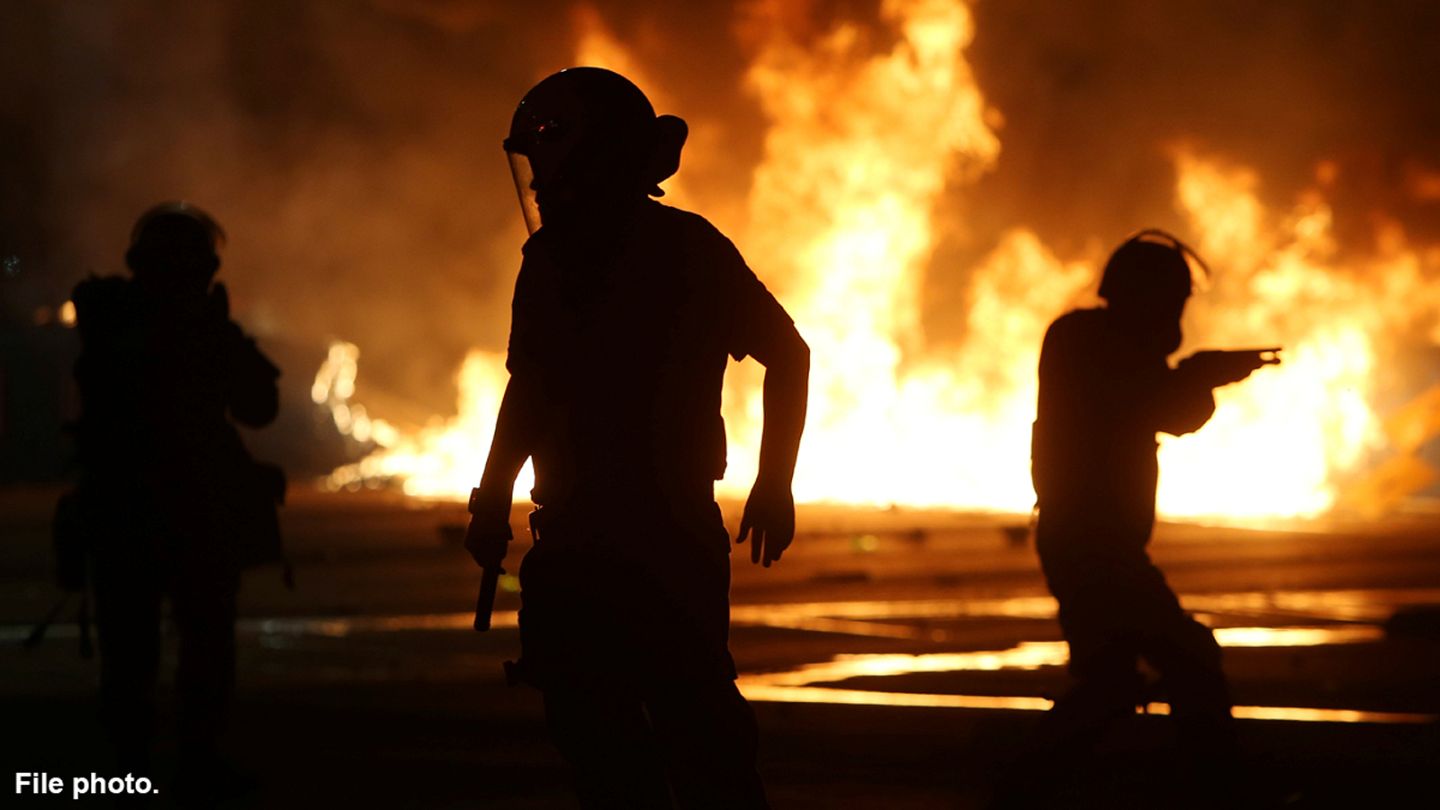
861,145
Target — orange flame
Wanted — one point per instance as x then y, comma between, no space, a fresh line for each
1285,441
861,145
437,461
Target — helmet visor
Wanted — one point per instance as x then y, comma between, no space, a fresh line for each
524,175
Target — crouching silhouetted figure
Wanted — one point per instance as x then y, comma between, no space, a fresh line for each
1106,390
625,311
171,504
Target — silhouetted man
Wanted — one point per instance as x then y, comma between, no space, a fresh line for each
624,313
1106,390
169,496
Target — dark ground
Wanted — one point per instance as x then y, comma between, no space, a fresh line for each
373,692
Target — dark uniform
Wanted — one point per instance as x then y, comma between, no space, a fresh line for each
625,594
1103,397
168,494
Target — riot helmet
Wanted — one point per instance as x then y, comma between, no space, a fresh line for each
174,248
585,138
1151,265
1147,281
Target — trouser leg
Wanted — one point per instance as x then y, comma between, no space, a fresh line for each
574,639
1127,610
620,632
1107,686
127,616
710,740
607,741
204,607
1188,660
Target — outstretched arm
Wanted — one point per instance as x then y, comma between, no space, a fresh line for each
769,518
1187,400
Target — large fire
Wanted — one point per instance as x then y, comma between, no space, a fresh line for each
840,223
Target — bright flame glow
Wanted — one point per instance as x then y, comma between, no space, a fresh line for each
1298,426
437,461
862,144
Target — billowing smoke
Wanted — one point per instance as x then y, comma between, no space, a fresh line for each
350,150
1093,93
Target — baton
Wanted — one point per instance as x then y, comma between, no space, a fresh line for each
485,601
490,578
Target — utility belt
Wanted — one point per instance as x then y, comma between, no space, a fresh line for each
624,524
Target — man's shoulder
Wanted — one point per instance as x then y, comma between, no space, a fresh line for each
676,217
692,230
1079,330
1078,322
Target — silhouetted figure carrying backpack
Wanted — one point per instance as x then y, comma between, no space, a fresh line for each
624,313
1106,390
170,504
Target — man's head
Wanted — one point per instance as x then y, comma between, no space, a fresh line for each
586,140
1145,285
174,250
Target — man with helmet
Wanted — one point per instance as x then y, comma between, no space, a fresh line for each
169,499
624,313
1106,390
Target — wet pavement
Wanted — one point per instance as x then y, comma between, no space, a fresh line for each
896,659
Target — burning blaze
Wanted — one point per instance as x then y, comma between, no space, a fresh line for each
1279,442
863,141
859,149
439,460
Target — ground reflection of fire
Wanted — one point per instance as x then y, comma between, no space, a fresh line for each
829,681
863,697
841,223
